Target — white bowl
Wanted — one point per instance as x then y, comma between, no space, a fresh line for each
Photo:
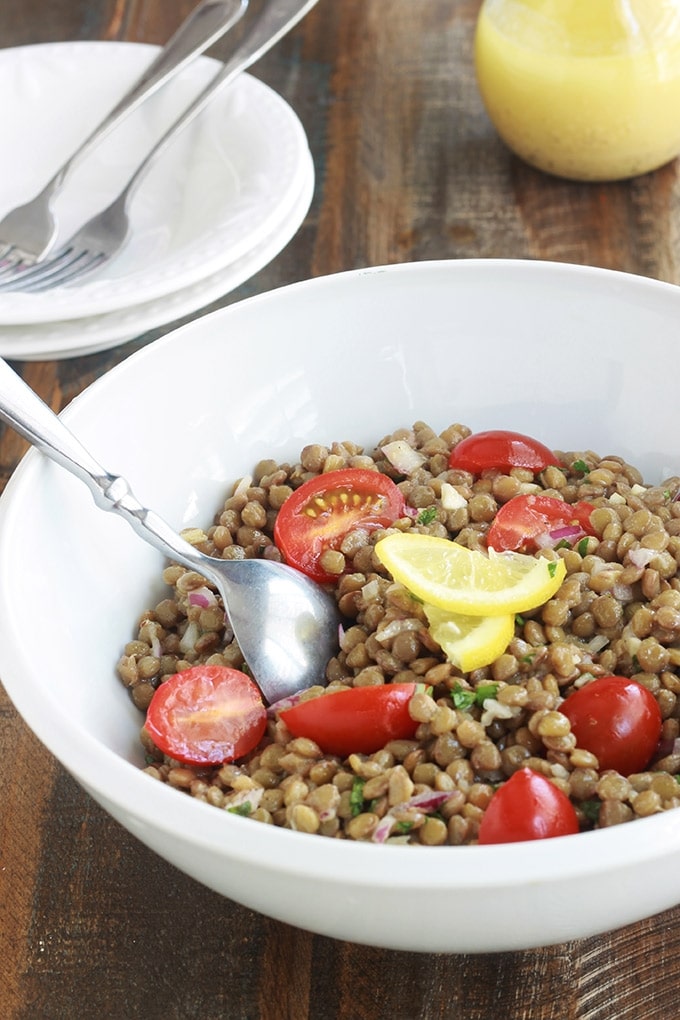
578,357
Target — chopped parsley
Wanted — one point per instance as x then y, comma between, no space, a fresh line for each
591,809
581,466
552,567
464,699
356,797
528,658
485,691
427,515
582,547
241,809
519,620
402,828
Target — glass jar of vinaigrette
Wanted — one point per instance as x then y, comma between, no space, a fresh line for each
584,89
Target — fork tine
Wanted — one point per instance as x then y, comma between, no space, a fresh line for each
24,279
75,271
11,267
68,265
18,274
18,270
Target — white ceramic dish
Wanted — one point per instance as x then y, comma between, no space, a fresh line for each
74,337
225,185
571,355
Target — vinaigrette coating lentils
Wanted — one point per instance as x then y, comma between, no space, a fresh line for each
617,612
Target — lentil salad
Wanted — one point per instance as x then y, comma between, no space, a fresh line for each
616,613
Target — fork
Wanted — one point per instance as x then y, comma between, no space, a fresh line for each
105,234
28,233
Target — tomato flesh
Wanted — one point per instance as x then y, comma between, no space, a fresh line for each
501,449
321,513
616,719
207,715
527,806
521,520
358,721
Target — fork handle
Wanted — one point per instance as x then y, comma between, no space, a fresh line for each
275,21
204,26
33,419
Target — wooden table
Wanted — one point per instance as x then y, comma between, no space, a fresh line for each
93,925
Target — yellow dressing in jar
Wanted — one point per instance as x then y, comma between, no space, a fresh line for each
584,89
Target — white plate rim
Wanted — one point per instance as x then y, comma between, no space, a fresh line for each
50,341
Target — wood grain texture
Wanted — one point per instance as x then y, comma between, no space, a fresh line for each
93,925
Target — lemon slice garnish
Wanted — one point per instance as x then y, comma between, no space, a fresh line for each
470,642
445,574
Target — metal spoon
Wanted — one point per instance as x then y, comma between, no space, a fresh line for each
286,625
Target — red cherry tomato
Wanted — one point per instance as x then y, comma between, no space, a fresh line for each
616,719
358,721
523,518
500,449
527,806
318,515
207,715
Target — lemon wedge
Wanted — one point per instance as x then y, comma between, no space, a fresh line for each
445,574
470,642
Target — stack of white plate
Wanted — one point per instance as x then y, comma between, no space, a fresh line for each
216,207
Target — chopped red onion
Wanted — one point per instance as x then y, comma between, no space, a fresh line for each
384,828
403,457
430,800
190,637
426,802
390,630
283,703
252,797
371,590
202,597
243,486
569,533
640,557
597,643
451,498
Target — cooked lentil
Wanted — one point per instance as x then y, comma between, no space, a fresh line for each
618,611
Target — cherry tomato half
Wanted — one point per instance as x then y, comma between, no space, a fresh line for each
206,715
616,719
523,518
319,515
361,720
500,449
527,806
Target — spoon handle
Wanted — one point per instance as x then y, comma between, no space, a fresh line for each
28,415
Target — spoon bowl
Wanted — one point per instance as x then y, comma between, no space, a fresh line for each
285,624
